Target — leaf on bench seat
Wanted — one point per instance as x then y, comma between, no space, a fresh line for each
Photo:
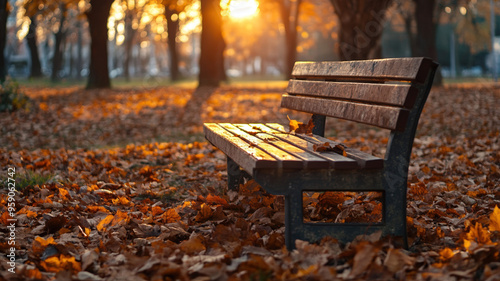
339,148
300,128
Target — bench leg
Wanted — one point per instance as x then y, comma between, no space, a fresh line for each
319,124
235,175
395,202
294,218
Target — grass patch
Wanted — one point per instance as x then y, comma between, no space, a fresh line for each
11,98
31,178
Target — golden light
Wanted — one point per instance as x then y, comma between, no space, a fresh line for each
240,9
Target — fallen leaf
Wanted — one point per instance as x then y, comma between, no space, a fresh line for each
364,256
194,245
495,219
338,148
293,125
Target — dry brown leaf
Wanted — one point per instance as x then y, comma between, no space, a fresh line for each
365,254
194,245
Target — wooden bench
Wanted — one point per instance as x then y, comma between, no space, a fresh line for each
387,93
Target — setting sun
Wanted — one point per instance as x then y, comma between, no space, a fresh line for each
239,9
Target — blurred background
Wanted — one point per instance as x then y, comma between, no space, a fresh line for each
161,41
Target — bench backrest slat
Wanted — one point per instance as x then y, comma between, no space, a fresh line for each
392,118
375,92
398,69
385,94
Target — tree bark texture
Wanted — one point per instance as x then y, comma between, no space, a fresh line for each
290,18
4,13
173,30
36,66
98,17
57,58
212,45
361,25
128,43
427,18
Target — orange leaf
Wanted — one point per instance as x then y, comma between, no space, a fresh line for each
293,124
40,244
31,214
204,214
120,201
120,218
56,264
478,234
156,210
299,127
170,216
104,222
305,129
34,273
446,254
63,193
4,218
216,200
95,209
495,219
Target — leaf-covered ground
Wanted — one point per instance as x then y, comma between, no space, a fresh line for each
112,186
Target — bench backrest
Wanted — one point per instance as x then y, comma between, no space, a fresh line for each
376,92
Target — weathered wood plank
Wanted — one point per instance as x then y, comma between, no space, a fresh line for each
311,160
287,160
400,69
386,94
249,157
392,118
336,160
364,160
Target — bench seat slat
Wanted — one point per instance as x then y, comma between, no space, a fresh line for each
273,144
365,160
287,160
249,157
388,94
400,69
382,116
336,160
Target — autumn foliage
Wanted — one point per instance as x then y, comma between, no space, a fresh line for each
111,186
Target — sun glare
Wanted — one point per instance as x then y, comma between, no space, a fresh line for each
240,9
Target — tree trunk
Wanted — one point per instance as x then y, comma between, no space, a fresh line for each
98,26
426,19
411,36
57,58
212,45
173,30
128,44
290,23
4,13
36,66
361,25
79,46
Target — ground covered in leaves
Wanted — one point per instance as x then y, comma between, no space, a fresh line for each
112,186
